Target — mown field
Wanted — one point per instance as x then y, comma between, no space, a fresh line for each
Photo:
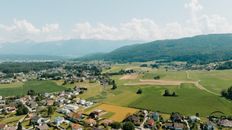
22,88
113,112
190,98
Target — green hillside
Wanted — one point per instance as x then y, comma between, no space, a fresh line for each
203,48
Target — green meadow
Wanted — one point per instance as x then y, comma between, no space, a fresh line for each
190,99
22,88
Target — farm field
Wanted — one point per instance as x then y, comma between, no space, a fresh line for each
191,99
37,86
214,80
117,113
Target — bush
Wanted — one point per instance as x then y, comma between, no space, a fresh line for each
139,91
156,77
168,93
116,125
128,126
227,93
21,110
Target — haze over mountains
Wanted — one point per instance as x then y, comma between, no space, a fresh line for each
202,48
64,48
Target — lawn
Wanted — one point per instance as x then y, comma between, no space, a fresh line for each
11,120
37,86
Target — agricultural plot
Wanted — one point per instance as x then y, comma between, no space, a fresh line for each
37,86
129,76
189,101
116,113
198,91
214,81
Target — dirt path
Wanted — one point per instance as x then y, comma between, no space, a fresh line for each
129,76
171,83
198,85
187,75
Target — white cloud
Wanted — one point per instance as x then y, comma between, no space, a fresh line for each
50,28
24,30
134,29
194,5
147,29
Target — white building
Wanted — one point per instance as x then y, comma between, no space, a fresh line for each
72,107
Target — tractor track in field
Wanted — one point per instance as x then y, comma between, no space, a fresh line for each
171,83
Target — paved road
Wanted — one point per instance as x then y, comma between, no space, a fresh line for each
144,121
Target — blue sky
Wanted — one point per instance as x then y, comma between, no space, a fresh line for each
42,20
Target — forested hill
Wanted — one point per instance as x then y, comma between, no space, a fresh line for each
202,48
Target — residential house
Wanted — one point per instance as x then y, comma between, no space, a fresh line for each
59,120
42,127
50,102
64,111
32,104
150,123
10,109
3,126
90,122
176,117
71,107
82,102
194,119
134,119
107,122
175,126
155,116
225,123
36,120
76,127
2,103
75,117
10,128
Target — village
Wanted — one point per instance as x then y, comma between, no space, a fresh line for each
67,110
68,72
64,110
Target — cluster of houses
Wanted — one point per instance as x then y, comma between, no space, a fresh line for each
69,73
154,120
65,103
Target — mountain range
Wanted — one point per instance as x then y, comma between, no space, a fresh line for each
64,48
197,49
